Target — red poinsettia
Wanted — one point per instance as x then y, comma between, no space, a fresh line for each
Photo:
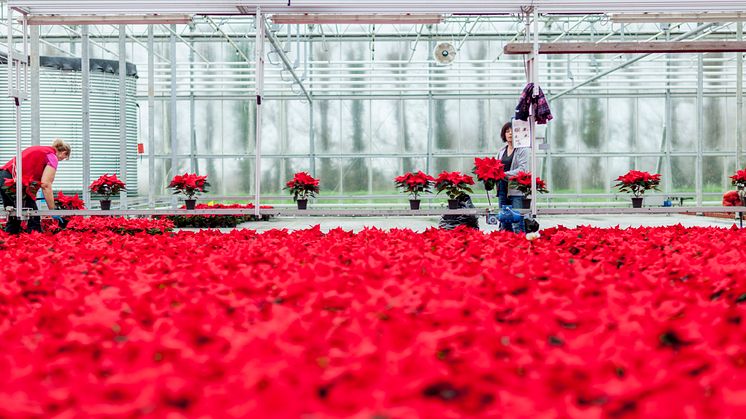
302,186
638,182
90,327
66,202
739,179
731,199
414,183
107,185
489,170
189,184
30,186
453,183
522,182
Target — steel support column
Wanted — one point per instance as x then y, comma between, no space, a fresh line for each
151,118
172,108
35,86
123,112
698,186
739,100
259,59
85,106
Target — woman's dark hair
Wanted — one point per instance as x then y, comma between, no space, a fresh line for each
505,129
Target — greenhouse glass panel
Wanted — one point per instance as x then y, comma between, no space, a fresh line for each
651,121
237,175
208,126
564,173
622,124
299,127
591,124
386,126
592,172
355,126
684,128
328,172
327,126
683,174
277,172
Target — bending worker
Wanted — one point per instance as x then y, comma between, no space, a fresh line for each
39,165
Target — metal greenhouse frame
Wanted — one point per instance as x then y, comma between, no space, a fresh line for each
26,16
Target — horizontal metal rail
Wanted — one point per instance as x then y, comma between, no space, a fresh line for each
367,212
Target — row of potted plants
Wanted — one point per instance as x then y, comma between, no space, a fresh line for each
488,170
189,184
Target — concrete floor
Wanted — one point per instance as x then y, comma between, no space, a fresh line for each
423,223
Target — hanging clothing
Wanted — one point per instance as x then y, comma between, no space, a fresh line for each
541,107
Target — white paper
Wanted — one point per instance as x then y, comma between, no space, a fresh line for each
521,133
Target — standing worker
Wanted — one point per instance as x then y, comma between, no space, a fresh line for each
39,165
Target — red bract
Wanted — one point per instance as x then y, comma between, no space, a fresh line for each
453,183
414,183
66,202
731,199
739,178
120,225
584,322
522,182
638,182
30,186
189,184
489,170
302,186
107,185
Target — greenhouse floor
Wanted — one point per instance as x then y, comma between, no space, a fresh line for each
423,223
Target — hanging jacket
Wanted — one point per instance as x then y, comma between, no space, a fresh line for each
542,112
521,156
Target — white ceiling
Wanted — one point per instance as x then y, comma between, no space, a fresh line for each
220,7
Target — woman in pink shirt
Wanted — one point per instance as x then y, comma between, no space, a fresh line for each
40,166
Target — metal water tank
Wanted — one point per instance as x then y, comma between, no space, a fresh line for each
60,98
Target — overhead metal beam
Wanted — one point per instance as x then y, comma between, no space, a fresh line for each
105,20
226,7
677,17
285,61
629,62
365,19
228,38
627,47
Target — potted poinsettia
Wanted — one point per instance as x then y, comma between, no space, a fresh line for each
29,186
489,171
301,186
107,186
67,202
189,184
739,181
637,182
454,184
414,184
521,181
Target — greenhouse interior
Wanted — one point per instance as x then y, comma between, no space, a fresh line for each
373,209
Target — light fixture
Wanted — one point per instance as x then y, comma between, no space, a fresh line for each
107,20
676,17
335,18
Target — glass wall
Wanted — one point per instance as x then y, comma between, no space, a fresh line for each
381,105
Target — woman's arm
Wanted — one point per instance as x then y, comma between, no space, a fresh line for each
520,161
47,178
